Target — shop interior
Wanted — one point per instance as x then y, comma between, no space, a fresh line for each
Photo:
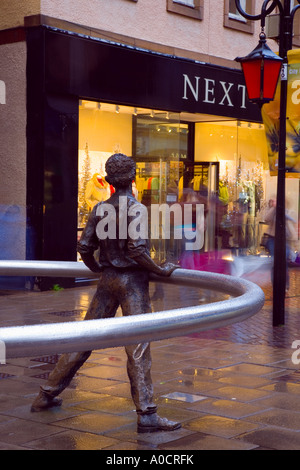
218,162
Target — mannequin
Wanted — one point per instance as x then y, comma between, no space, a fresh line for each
97,190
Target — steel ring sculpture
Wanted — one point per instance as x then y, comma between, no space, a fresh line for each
46,339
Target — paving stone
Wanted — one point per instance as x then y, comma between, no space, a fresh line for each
97,423
229,408
273,438
220,426
238,393
72,440
200,441
251,369
19,431
129,434
278,417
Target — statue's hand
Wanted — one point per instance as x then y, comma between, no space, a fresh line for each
97,268
91,262
168,268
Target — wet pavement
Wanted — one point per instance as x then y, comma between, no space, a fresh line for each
232,388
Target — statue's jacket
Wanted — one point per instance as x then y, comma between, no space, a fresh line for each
115,246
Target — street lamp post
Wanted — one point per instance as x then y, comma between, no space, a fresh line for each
287,12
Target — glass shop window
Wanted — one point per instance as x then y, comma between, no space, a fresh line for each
154,138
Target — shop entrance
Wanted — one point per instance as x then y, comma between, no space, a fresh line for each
159,145
202,178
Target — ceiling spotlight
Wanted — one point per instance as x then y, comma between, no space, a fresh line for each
117,109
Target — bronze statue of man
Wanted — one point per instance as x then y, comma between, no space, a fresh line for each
124,266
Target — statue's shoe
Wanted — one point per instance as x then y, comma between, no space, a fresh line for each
44,401
154,423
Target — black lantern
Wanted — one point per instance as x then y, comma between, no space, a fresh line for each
261,70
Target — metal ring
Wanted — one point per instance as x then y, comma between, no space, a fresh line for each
45,339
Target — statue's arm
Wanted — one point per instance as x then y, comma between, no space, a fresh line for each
145,261
89,243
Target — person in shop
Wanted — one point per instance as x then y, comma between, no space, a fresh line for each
123,266
224,224
291,235
193,258
97,190
269,235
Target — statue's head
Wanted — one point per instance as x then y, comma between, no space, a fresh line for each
120,170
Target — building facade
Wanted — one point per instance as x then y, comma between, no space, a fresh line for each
155,80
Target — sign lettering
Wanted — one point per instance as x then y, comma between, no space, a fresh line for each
226,95
231,94
194,91
209,91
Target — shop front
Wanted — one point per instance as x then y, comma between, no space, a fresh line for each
188,125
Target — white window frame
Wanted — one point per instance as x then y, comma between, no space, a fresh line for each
187,3
237,16
236,21
186,8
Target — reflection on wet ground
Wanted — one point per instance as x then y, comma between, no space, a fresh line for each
232,388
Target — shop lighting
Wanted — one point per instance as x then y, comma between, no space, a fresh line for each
135,112
89,104
117,109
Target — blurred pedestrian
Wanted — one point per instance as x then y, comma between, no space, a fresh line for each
270,220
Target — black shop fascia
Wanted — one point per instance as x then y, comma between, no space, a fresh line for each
63,68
